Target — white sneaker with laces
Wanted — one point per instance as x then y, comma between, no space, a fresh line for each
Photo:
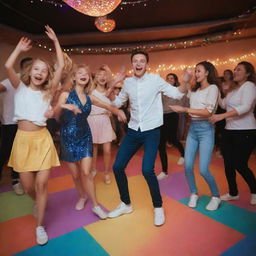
228,197
99,212
41,235
121,209
181,161
193,200
159,217
253,199
162,176
80,204
213,204
18,189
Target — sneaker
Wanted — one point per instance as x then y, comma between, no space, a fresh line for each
228,197
80,204
107,179
120,210
253,199
193,200
213,204
18,189
41,235
99,212
181,161
159,218
162,176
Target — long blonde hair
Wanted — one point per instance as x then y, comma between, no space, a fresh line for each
108,73
69,84
46,86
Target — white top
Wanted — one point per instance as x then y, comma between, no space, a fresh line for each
243,100
145,96
97,110
7,103
30,105
206,98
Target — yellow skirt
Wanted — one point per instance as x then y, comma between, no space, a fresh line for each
33,151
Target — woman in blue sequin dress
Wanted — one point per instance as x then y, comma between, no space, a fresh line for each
74,106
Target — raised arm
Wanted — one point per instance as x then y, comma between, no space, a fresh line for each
186,78
60,58
23,45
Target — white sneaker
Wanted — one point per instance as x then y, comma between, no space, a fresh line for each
213,204
99,212
228,197
80,204
181,161
18,189
159,218
120,210
193,200
253,199
41,235
162,176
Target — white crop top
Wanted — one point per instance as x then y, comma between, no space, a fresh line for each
30,105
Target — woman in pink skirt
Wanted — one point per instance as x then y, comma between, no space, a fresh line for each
100,124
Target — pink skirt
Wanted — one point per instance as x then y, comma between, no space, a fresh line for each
101,128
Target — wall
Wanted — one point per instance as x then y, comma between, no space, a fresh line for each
189,56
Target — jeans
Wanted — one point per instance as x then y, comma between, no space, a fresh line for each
200,136
132,141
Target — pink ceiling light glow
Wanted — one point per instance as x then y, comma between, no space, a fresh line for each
95,8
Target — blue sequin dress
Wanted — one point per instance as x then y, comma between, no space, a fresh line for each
75,133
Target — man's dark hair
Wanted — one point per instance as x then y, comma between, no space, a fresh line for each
138,51
25,62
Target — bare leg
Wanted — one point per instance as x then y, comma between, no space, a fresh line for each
107,161
41,183
28,183
85,165
77,178
94,159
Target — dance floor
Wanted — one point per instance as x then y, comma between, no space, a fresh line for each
231,230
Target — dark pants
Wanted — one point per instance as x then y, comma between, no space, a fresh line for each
237,146
132,141
168,133
8,133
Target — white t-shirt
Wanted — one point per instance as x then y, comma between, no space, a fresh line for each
243,100
30,105
206,98
7,103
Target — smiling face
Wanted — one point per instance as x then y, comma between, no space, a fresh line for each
39,73
139,64
240,74
81,77
170,79
201,74
101,78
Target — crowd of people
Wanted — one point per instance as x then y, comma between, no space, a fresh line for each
88,110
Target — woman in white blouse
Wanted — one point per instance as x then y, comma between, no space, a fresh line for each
203,103
239,138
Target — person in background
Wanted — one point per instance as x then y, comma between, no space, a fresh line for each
169,130
239,138
203,103
9,127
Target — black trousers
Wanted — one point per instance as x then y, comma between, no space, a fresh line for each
237,146
168,133
8,133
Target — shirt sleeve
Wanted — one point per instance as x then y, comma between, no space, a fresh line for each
248,96
6,83
169,90
121,98
211,99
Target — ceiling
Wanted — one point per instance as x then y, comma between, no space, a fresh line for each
159,20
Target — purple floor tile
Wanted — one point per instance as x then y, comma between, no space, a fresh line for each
60,170
61,216
175,186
